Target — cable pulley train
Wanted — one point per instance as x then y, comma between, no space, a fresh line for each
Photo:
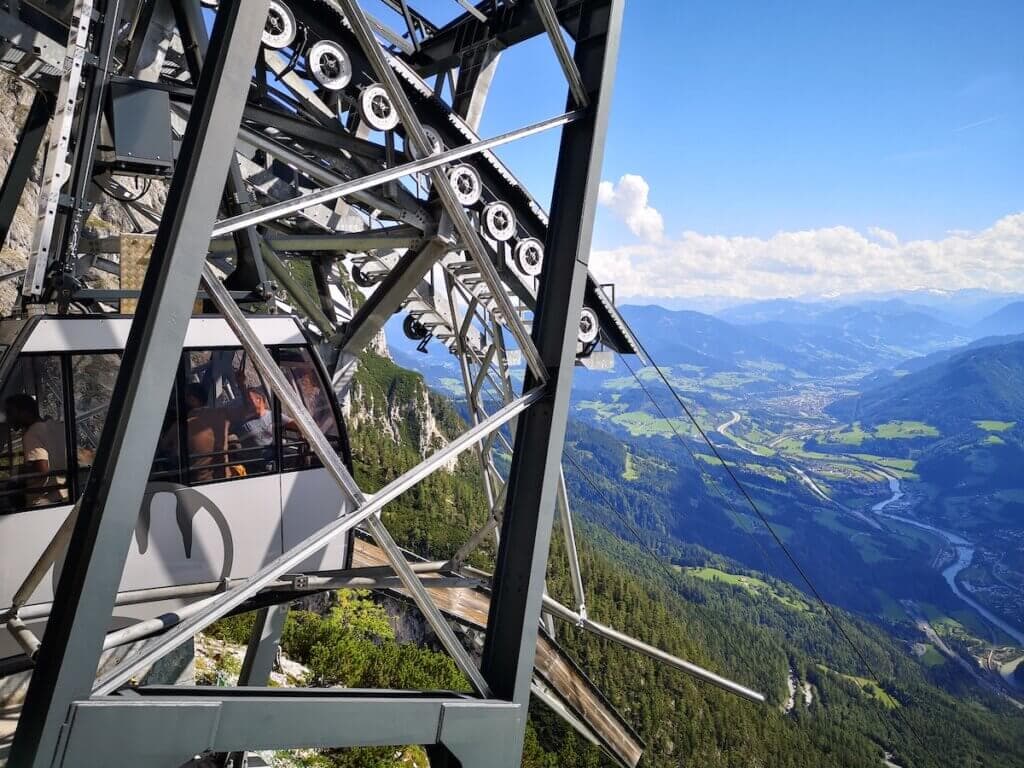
358,187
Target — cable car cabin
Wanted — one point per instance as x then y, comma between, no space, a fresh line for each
233,483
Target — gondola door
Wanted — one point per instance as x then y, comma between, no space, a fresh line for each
212,509
310,497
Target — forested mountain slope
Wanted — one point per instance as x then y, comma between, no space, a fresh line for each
970,386
1006,320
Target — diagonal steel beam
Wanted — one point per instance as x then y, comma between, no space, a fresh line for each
406,209
394,289
261,358
296,291
417,138
20,165
553,608
571,552
113,494
572,73
427,163
472,10
410,25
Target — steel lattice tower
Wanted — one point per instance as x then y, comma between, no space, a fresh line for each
313,131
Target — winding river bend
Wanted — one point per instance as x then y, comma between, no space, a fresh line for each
964,556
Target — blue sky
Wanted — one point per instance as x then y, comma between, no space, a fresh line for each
876,125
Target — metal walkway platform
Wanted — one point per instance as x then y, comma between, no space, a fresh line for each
557,678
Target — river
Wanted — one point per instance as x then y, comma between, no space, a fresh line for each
964,556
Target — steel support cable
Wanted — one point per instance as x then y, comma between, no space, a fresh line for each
730,508
782,545
345,188
625,519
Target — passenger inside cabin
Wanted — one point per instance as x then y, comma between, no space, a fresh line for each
44,474
254,427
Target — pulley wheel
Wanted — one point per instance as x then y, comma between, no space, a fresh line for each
499,221
434,143
361,279
413,328
466,183
529,256
376,108
589,327
330,65
279,31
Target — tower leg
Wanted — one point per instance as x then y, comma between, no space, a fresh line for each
66,667
535,474
260,655
473,739
23,159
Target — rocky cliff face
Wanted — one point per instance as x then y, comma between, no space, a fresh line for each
396,402
108,217
15,99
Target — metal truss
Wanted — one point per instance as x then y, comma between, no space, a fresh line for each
376,181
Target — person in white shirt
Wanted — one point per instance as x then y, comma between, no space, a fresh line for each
45,452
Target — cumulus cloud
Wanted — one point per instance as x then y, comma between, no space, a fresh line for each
817,262
628,200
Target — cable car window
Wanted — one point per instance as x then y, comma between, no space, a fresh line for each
228,415
167,459
252,423
34,463
206,425
301,371
92,379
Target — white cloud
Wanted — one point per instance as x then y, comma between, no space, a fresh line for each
819,262
884,236
628,200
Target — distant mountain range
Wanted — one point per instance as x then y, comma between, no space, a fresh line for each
964,307
815,339
683,337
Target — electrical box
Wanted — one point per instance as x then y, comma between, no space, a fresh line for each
139,120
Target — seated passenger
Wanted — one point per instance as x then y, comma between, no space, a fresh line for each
44,473
254,427
312,394
256,424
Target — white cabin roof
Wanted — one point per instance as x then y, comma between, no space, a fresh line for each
79,333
